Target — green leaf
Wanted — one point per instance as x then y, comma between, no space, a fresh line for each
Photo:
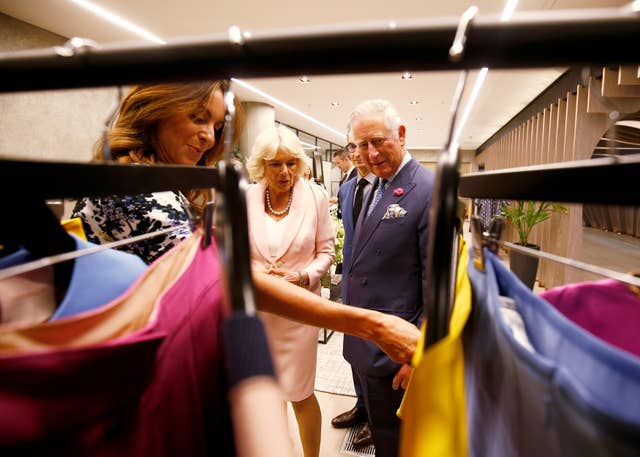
526,214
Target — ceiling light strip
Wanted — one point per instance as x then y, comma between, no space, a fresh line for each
118,21
507,12
282,104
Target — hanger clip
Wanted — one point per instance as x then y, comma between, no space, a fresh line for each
207,224
488,238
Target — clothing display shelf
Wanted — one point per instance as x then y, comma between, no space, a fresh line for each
532,39
569,182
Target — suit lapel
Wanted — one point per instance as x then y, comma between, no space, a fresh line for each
366,228
257,215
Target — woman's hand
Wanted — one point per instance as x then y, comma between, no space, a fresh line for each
396,337
298,278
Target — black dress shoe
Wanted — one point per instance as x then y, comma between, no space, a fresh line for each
350,418
363,438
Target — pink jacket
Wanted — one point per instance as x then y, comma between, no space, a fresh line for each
307,244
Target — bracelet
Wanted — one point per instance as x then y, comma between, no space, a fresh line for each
300,278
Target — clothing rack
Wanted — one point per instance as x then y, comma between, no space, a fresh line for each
530,39
49,180
570,182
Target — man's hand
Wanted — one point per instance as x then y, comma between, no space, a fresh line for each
401,379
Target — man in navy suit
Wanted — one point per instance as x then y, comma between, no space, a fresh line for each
352,195
387,267
342,159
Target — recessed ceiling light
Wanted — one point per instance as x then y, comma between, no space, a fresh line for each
246,34
305,79
393,25
414,102
335,104
406,75
418,118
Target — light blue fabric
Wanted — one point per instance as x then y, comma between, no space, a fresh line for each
96,278
541,403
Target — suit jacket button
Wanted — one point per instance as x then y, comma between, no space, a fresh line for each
378,253
363,281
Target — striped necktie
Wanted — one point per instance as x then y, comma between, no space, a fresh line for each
377,196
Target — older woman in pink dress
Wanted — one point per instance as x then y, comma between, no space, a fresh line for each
292,238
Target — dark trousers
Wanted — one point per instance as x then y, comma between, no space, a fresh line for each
382,402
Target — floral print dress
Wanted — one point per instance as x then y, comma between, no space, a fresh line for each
113,218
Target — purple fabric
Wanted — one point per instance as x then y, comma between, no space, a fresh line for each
159,391
607,308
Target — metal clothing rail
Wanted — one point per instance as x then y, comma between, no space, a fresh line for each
48,180
606,272
611,180
530,39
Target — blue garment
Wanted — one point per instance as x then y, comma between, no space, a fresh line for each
96,278
574,396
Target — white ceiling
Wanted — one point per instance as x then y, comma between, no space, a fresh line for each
503,95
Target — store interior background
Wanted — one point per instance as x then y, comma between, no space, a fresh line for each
64,124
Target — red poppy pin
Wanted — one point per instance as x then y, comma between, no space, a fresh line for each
399,191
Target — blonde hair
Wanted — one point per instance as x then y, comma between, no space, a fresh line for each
132,137
268,143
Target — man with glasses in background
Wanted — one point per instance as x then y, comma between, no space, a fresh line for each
386,270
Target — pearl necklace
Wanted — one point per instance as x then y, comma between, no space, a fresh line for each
282,211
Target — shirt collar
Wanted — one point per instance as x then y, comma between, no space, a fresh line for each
405,160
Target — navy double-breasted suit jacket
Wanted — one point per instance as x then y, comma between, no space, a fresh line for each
386,271
345,200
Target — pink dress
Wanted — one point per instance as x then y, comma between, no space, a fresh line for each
306,244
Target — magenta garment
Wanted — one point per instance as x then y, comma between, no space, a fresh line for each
606,308
157,392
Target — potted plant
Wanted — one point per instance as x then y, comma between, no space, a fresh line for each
524,216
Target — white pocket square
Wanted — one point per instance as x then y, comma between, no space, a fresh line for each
394,211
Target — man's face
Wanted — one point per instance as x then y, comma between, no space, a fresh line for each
356,158
342,163
377,146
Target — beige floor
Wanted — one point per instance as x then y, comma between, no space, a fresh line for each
617,252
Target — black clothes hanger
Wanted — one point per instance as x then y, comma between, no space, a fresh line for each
443,234
244,340
35,228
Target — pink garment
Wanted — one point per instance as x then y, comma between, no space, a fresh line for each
606,308
159,391
307,244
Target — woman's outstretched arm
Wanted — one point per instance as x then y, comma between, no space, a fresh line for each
395,336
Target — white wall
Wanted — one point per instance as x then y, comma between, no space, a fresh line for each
48,125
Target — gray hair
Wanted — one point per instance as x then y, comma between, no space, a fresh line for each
390,115
268,143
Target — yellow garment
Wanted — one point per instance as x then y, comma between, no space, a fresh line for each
433,409
74,226
126,314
